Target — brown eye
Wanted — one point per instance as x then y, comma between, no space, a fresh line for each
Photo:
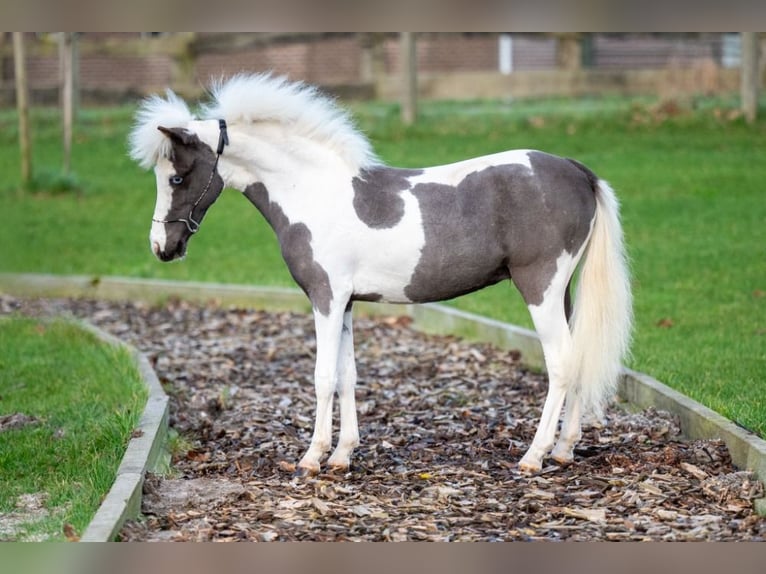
176,180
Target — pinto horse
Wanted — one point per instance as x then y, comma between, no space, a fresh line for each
351,229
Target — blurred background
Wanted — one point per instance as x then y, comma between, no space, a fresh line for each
116,67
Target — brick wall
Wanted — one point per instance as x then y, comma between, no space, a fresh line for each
637,52
43,72
104,72
326,61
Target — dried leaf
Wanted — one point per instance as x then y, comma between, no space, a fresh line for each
293,503
444,492
666,514
544,494
268,536
70,533
320,505
649,487
477,355
695,471
592,514
361,510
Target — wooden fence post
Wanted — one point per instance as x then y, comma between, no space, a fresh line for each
68,59
569,51
750,75
22,105
409,65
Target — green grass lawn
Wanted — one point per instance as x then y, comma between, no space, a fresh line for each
691,185
82,399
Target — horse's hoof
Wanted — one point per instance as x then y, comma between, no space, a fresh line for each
563,455
339,468
306,471
529,468
563,460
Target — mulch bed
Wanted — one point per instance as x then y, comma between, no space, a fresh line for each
443,424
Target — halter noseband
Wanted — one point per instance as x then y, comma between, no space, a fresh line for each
191,224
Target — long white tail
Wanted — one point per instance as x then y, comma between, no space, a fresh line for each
603,312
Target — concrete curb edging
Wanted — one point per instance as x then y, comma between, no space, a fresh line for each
748,451
151,290
144,452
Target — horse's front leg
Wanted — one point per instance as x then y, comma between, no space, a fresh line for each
328,336
349,429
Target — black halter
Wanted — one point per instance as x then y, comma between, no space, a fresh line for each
191,224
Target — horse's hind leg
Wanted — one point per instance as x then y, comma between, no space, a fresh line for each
556,342
349,430
551,324
571,430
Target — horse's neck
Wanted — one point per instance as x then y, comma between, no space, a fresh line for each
288,179
281,161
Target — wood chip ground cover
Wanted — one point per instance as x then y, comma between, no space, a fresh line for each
443,424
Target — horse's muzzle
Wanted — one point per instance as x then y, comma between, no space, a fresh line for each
169,255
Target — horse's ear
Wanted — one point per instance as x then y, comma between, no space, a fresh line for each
179,135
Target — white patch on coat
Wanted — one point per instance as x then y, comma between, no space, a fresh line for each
387,258
157,236
454,173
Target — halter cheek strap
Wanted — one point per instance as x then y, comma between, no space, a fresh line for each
223,137
191,224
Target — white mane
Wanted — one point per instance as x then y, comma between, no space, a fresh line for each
147,143
251,98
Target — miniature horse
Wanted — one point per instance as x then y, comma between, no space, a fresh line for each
351,228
